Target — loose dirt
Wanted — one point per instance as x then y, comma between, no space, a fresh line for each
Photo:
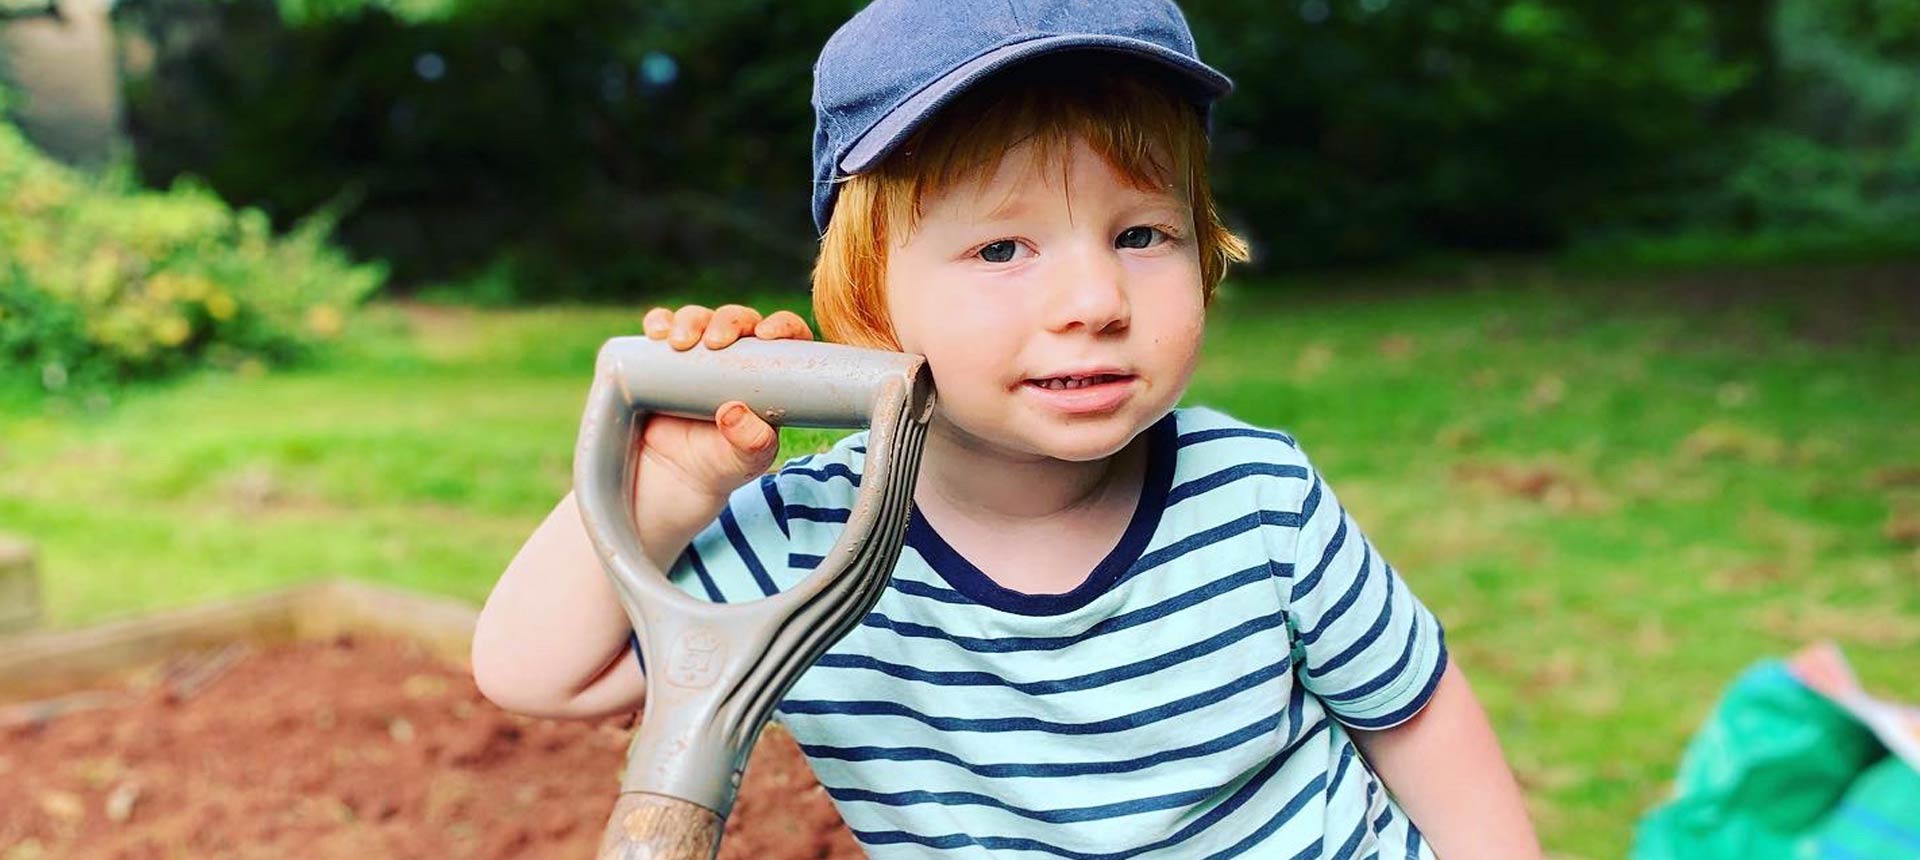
353,748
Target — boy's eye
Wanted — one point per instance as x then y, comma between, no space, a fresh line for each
999,252
1136,237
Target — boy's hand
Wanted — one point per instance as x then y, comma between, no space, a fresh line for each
712,458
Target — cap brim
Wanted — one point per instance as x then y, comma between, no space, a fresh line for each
909,114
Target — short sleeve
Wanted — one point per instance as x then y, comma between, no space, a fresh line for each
1367,647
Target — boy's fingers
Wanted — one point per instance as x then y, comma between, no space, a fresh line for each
689,322
783,324
729,323
657,323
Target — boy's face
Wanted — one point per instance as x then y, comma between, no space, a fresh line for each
1017,279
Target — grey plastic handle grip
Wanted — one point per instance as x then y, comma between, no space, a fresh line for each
715,671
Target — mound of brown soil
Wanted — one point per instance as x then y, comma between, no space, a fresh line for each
346,749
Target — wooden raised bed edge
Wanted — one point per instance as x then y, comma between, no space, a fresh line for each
45,662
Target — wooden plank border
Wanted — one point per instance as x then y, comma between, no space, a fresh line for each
49,661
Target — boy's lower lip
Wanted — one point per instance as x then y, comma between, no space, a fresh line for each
1103,397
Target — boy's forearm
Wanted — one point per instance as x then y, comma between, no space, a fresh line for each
551,639
1445,769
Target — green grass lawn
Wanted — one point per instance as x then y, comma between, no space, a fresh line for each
1615,493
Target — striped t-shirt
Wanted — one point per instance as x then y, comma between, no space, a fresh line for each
1188,700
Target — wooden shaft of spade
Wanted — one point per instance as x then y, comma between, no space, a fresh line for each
715,671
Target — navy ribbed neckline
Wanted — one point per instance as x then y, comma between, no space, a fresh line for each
972,582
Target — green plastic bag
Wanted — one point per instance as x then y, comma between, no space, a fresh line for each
1779,772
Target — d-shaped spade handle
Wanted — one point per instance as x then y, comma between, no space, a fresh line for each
715,671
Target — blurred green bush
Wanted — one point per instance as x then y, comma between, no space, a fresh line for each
102,282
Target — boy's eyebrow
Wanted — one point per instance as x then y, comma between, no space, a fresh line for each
1015,204
1159,197
1010,207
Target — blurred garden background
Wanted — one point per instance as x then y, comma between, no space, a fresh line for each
1602,315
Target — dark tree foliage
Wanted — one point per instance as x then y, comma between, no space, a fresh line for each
1364,130
601,147
591,147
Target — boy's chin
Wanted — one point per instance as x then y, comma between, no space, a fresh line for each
1086,439
1074,438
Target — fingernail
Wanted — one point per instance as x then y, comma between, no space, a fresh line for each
734,416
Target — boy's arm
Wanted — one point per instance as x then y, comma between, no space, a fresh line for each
1445,769
552,638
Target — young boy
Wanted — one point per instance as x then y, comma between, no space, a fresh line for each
1119,628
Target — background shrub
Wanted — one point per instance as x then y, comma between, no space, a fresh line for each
103,282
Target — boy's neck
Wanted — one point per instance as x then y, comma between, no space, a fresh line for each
962,475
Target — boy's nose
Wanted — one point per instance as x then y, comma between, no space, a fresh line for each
1089,292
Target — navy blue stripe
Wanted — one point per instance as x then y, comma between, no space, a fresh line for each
1413,706
804,562
774,504
1087,681
706,579
818,515
1306,585
1120,723
1365,640
1229,475
1051,816
1352,844
1211,817
1340,770
1279,819
1123,621
1386,812
633,642
1308,853
732,527
1383,679
1198,436
917,588
1332,613
1311,504
1208,537
825,473
1347,755
1257,729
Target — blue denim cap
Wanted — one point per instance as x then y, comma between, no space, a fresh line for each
897,62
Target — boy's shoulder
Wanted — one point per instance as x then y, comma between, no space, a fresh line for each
1209,434
1215,449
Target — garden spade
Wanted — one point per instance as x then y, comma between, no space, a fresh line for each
715,671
